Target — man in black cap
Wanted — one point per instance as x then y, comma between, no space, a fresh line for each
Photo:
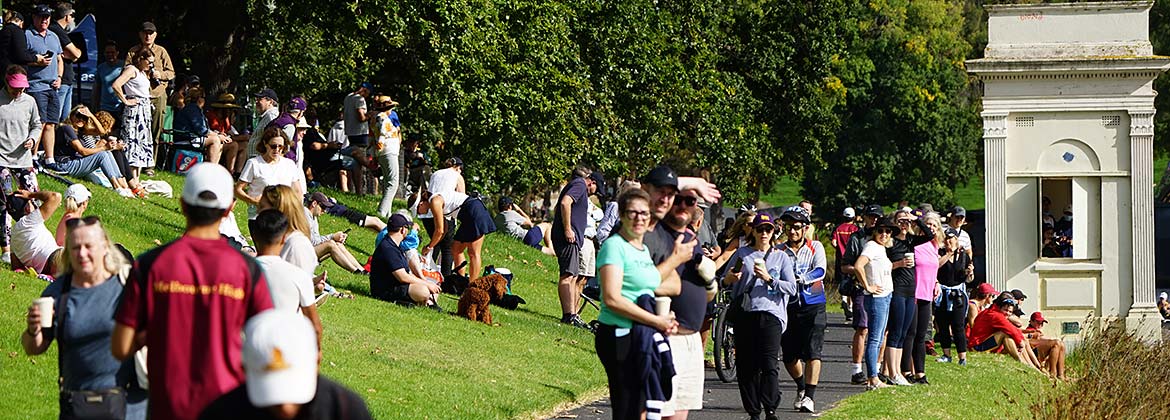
63,23
160,74
870,216
568,232
955,220
267,105
390,276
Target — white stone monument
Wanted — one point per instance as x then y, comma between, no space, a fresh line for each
1068,107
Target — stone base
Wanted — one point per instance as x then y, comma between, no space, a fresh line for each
1145,323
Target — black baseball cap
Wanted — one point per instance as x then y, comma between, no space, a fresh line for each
42,10
873,210
398,221
148,27
1019,295
661,176
958,211
267,93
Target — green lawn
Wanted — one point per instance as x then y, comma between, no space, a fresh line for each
989,387
406,363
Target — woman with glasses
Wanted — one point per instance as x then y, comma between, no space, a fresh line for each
874,272
903,305
133,89
85,295
268,169
628,273
760,277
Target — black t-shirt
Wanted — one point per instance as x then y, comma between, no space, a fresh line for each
416,159
332,401
954,272
317,159
388,258
905,278
64,144
67,76
690,306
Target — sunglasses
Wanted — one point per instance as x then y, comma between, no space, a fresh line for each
764,229
795,226
884,231
82,221
904,221
278,146
689,201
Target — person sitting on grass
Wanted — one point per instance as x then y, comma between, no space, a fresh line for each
77,159
332,246
76,202
1051,351
981,297
33,245
390,276
994,333
330,206
515,223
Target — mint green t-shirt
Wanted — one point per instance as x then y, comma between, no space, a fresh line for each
639,275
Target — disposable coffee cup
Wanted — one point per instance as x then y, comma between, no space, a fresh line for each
662,305
909,259
761,264
45,306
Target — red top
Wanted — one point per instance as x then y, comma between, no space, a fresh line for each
192,297
990,322
842,234
219,120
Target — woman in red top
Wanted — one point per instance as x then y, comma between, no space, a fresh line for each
993,331
219,119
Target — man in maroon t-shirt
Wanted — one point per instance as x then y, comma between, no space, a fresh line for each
193,295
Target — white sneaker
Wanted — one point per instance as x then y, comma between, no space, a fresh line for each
6,257
806,405
799,399
901,380
125,192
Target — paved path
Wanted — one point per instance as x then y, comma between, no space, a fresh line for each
722,400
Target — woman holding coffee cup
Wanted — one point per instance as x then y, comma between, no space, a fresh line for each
761,278
77,311
904,305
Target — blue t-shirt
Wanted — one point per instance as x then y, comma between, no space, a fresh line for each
577,190
388,258
190,121
41,77
107,73
83,326
639,275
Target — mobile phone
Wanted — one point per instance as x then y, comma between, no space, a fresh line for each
48,54
738,266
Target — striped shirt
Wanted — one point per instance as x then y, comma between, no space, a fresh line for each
808,257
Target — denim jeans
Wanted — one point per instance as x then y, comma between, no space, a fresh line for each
87,165
902,314
65,96
878,309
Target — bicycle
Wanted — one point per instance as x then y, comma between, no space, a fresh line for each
724,338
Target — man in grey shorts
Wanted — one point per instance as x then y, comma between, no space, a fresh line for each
568,233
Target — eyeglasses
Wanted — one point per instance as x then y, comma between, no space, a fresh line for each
688,200
278,146
638,214
82,221
764,229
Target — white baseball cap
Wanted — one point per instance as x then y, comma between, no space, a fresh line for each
78,192
208,178
280,359
1163,295
849,212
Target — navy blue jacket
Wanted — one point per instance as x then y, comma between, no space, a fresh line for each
650,356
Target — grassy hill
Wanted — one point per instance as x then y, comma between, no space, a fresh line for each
405,362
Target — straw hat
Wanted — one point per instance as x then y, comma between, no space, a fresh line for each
226,101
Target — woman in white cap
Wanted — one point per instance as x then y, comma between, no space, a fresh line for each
76,202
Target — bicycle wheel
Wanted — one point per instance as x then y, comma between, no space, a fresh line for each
724,347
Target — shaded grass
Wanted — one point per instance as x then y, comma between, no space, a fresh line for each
405,362
989,387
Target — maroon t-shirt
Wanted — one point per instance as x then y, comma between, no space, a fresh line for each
192,297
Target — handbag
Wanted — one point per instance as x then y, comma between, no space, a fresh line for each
106,404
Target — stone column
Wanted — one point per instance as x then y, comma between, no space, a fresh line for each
1141,137
995,189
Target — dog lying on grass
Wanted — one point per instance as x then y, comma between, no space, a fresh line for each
475,304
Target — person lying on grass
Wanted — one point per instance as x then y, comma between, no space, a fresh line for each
993,332
1049,350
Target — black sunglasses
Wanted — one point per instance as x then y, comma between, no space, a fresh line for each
82,221
689,201
883,230
764,228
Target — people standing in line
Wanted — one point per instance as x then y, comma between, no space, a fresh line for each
903,304
267,109
44,79
133,89
20,126
357,130
628,273
107,72
14,46
281,367
839,240
807,319
951,310
762,277
853,249
290,287
85,297
568,232
873,269
165,301
926,291
388,148
160,74
64,23
268,169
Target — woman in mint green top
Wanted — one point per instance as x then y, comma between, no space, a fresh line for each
626,272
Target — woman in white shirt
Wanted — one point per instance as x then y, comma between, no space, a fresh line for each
449,202
875,274
298,249
268,169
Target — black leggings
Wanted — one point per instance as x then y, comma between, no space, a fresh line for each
123,165
916,336
757,348
446,256
951,326
625,393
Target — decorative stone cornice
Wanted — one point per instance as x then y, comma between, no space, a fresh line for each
994,125
1141,123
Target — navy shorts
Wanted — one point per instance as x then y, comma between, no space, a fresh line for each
534,238
48,105
986,345
474,221
362,140
860,315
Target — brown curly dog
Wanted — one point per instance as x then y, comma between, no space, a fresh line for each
474,304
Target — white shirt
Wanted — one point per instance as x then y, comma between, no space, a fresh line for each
444,180
337,134
291,288
259,174
258,132
299,252
32,242
229,228
315,236
880,269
